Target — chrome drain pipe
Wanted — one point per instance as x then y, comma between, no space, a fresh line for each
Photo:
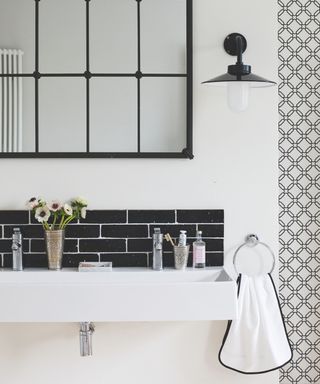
85,334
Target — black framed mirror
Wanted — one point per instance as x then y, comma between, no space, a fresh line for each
96,78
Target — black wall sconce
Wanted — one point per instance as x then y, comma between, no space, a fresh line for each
239,78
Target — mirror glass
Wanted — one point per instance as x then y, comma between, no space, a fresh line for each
113,114
62,114
17,30
62,33
113,36
99,78
163,36
27,136
163,116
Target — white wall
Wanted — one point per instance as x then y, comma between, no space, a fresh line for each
235,168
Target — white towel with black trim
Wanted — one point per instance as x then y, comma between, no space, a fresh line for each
257,341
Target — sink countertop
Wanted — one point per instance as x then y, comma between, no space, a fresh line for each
124,294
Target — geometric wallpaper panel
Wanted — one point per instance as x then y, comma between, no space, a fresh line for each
299,179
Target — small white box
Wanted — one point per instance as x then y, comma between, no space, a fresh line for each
93,266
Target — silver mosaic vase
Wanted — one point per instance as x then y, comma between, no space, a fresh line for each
54,248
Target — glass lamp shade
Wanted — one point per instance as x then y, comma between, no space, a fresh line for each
238,95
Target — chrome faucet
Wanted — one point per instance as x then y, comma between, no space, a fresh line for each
17,250
157,249
85,334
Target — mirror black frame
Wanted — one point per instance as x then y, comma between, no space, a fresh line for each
187,152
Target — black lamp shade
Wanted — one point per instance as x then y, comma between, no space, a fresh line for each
254,80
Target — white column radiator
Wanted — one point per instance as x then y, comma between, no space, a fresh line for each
10,101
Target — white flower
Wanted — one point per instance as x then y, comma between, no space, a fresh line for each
41,201
68,210
83,212
32,203
42,214
54,206
81,201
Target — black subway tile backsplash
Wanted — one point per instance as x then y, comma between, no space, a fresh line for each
200,216
102,245
28,231
5,245
72,260
7,260
126,259
121,236
124,231
30,260
78,231
214,259
105,216
211,230
14,217
69,245
35,260
139,245
151,216
214,245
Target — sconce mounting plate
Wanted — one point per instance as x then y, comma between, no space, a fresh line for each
230,45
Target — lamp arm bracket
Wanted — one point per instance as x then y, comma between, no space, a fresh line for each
233,47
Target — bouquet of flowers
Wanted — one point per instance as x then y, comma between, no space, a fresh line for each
56,215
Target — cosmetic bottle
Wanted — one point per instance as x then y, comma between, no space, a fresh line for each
182,239
199,252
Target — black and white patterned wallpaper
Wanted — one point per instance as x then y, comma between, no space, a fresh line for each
121,236
299,90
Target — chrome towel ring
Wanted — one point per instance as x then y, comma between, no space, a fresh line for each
252,240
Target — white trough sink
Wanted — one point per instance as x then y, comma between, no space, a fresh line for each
125,294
